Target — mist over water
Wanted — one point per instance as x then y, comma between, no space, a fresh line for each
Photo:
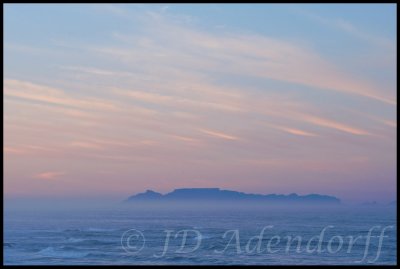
152,233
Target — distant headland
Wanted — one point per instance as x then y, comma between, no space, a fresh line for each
217,195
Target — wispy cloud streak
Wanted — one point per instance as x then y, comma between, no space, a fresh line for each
49,175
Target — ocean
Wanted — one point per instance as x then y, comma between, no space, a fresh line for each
244,236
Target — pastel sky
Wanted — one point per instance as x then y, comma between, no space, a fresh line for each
110,100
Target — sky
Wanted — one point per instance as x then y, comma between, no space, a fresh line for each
111,100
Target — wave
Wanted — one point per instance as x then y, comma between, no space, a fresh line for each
100,230
83,241
90,230
201,237
71,230
75,240
57,253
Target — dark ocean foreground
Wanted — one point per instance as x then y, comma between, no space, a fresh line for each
134,235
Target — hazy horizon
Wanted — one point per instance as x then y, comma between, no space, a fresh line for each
94,201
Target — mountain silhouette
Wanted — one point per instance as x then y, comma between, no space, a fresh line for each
218,195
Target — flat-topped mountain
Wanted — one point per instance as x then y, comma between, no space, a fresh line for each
218,195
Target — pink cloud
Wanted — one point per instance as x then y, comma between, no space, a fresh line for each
219,134
49,175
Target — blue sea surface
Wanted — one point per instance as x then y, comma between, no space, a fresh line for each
268,236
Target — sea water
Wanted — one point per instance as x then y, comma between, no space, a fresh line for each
123,235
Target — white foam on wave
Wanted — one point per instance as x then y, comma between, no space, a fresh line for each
100,230
75,240
91,229
201,237
55,253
